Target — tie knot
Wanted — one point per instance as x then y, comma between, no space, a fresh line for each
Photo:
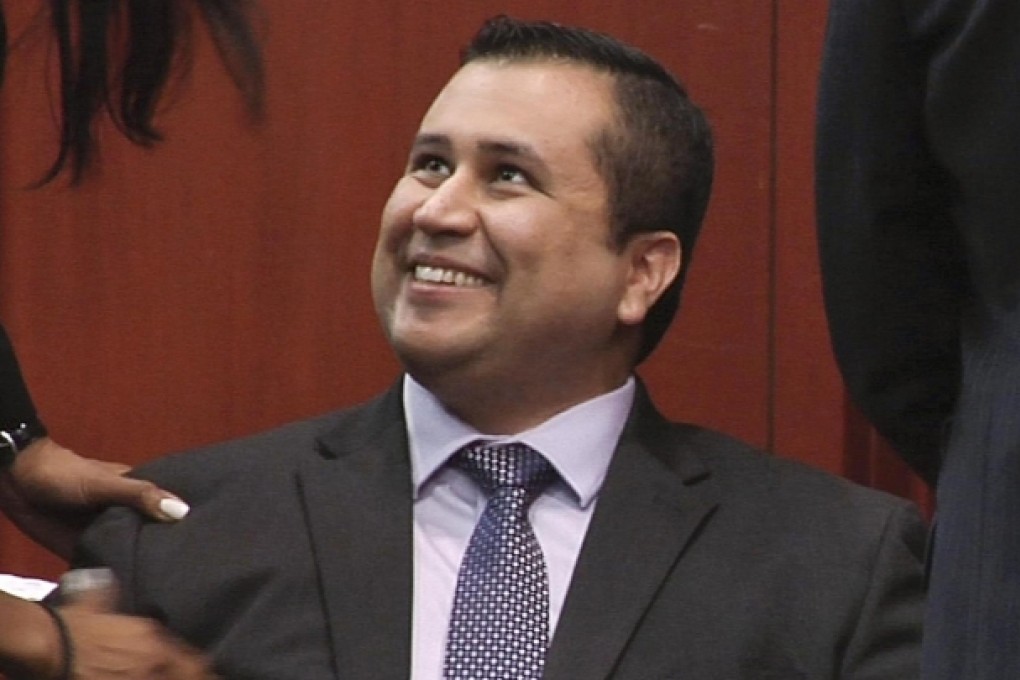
504,466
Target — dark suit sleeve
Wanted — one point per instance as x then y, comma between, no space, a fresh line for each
111,541
893,271
886,642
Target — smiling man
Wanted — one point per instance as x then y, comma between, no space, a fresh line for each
515,507
496,262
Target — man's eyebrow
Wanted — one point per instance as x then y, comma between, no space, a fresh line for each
495,147
507,148
432,139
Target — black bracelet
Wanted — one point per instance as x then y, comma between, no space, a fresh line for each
66,646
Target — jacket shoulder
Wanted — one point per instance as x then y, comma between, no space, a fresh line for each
203,472
762,481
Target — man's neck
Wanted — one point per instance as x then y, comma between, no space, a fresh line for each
512,408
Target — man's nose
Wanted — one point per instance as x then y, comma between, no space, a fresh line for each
450,208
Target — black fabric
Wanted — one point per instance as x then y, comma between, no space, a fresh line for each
918,172
15,402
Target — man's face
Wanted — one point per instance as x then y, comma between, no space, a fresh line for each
495,260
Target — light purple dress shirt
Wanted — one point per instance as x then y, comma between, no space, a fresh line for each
579,443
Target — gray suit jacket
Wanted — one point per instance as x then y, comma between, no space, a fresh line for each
704,560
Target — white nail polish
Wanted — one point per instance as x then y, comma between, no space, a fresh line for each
173,508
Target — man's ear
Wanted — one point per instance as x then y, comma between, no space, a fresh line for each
654,264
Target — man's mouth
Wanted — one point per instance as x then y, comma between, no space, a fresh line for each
443,275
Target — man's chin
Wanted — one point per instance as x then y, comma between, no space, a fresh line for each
427,363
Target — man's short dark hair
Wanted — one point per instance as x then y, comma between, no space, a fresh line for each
657,160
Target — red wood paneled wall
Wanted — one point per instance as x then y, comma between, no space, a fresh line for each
218,285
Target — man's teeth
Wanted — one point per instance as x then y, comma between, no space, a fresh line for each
449,276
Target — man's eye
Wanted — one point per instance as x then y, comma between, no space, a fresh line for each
431,165
437,166
508,173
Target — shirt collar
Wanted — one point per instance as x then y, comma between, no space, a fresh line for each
578,442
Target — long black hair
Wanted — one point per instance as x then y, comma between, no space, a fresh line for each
119,55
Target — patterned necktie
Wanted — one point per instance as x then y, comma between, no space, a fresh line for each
499,628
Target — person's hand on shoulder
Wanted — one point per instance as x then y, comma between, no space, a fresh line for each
51,492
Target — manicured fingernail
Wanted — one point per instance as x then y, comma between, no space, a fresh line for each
174,508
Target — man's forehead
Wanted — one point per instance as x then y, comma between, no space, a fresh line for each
518,76
547,96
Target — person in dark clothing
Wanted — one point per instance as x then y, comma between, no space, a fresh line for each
919,225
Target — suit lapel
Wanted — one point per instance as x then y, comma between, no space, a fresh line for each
357,495
357,500
648,512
